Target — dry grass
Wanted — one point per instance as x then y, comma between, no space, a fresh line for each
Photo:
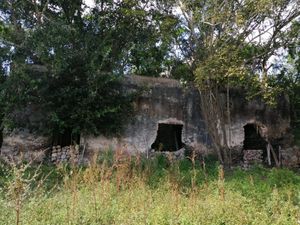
121,189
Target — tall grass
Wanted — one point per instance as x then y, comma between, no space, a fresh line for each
122,189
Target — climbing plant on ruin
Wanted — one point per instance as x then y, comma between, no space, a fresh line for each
231,43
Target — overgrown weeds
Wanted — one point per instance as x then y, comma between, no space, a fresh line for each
117,188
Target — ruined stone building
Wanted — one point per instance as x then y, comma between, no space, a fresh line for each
168,118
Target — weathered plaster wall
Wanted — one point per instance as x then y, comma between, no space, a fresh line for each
273,123
161,101
167,101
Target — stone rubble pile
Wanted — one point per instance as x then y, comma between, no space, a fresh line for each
290,157
176,155
65,154
252,157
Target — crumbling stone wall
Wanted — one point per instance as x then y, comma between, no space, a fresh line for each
162,101
290,157
67,154
252,157
166,101
273,123
21,145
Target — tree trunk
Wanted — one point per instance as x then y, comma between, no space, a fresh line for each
211,108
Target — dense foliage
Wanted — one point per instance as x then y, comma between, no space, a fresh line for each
67,57
64,61
65,64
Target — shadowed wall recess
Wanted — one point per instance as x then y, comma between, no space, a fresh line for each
168,137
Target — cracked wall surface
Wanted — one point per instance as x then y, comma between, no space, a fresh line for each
167,101
162,101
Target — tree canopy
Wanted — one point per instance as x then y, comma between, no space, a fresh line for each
68,58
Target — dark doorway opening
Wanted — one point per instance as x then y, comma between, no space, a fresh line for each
168,137
65,139
253,139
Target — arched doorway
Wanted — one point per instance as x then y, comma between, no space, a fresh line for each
66,138
254,146
253,140
169,137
